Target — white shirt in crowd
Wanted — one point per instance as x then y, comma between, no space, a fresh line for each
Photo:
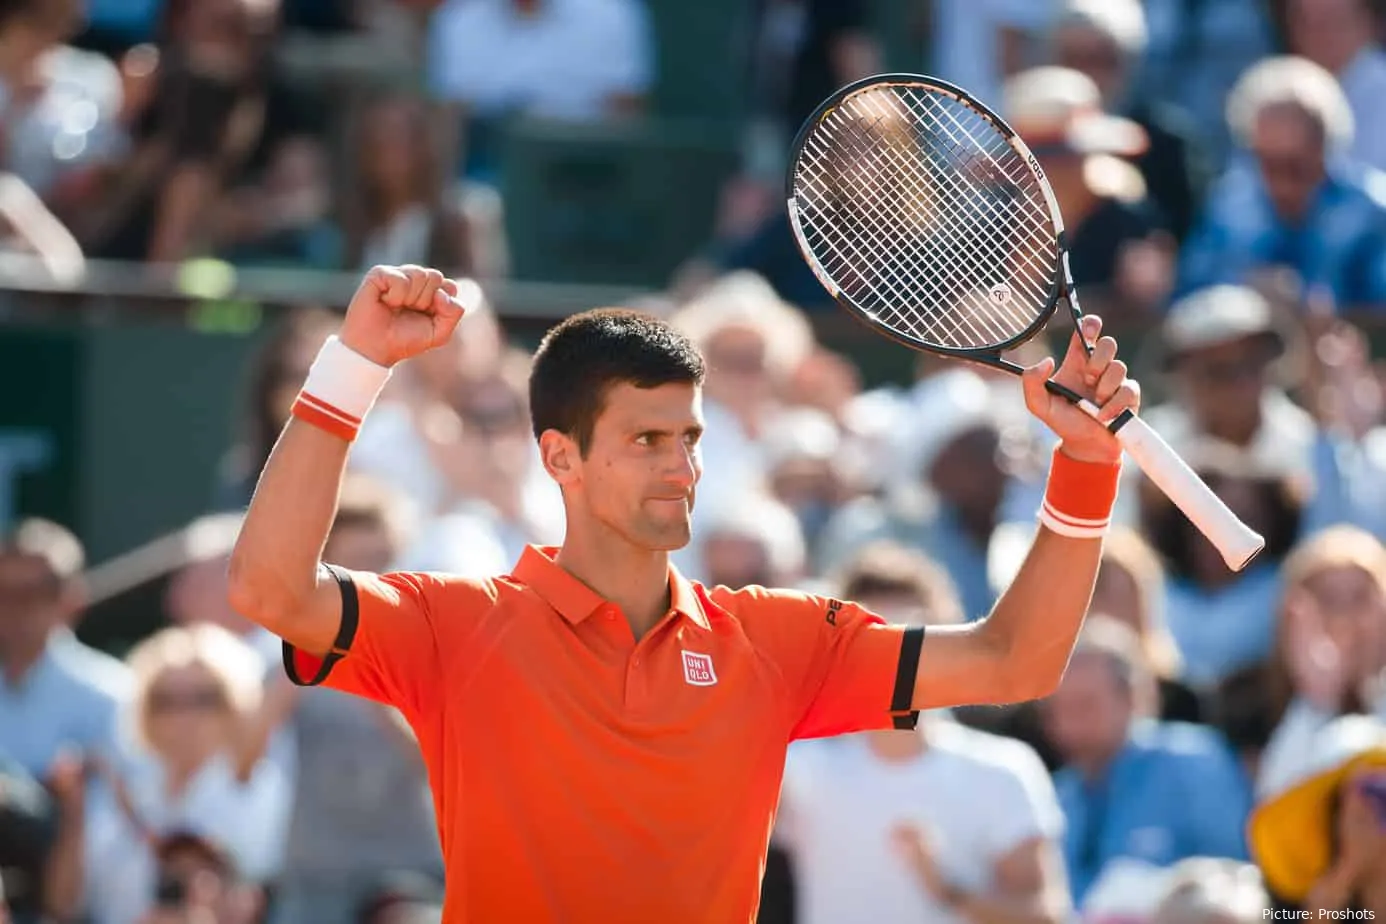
979,795
565,59
247,820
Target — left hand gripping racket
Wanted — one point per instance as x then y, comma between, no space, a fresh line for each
925,215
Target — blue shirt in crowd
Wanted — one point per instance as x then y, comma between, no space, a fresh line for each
1339,248
68,700
1174,791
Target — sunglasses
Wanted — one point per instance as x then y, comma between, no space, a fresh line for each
206,699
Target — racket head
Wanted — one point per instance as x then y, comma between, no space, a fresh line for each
925,215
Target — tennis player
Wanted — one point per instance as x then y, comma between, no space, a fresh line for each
605,738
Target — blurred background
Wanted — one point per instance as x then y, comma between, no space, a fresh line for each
190,189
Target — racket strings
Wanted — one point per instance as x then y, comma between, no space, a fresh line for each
922,214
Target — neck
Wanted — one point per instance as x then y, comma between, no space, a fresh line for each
1093,766
1239,432
178,775
635,579
18,661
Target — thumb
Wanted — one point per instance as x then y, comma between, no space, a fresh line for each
1032,381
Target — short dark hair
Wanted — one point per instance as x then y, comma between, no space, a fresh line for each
584,356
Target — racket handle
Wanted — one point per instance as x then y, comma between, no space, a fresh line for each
1235,541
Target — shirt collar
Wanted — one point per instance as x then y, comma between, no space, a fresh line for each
576,601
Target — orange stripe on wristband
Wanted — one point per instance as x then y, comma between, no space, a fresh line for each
320,414
1079,497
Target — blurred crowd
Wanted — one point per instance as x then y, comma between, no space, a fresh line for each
1218,745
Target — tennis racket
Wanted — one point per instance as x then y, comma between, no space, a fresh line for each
926,216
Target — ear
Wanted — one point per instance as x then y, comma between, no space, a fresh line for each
561,457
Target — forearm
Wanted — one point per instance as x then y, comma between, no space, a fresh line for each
1036,622
274,566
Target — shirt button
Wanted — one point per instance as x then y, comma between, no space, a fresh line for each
636,662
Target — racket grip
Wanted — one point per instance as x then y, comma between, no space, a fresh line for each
1235,541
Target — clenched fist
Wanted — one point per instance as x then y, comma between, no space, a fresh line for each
401,311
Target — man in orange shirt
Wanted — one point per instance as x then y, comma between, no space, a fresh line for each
604,738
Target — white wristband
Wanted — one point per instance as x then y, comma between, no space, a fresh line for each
341,388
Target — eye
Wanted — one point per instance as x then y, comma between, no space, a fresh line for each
645,439
693,437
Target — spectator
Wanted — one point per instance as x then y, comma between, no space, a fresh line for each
402,899
1196,53
41,835
499,499
575,60
1341,37
197,880
950,494
43,154
1203,890
980,45
360,800
944,823
807,469
1117,239
1220,344
56,694
196,766
1223,620
753,342
1304,208
1321,841
754,540
404,212
1131,589
1106,40
217,115
1136,792
1331,647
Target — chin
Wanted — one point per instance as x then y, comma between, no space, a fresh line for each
664,537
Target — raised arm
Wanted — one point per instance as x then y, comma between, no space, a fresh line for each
1020,651
276,578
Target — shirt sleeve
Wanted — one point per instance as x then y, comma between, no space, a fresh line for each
844,668
394,627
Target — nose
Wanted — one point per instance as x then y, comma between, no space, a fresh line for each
684,467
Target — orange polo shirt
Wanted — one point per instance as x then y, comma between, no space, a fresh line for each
580,775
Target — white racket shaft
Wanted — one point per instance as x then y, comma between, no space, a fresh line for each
1235,541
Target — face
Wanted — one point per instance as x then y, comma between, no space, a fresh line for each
1088,717
1291,157
32,603
1321,30
187,713
197,593
1356,613
640,475
1094,54
1223,385
968,471
738,375
361,548
391,133
1118,595
737,561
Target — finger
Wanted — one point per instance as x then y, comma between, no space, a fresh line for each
1127,397
418,278
1108,382
432,280
1032,382
1103,352
1076,358
391,284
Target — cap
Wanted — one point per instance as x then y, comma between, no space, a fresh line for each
1217,315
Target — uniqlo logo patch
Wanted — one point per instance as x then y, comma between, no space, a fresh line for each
697,669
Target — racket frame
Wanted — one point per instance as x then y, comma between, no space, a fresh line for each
1060,286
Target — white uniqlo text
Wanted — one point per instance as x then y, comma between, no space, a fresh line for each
697,669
